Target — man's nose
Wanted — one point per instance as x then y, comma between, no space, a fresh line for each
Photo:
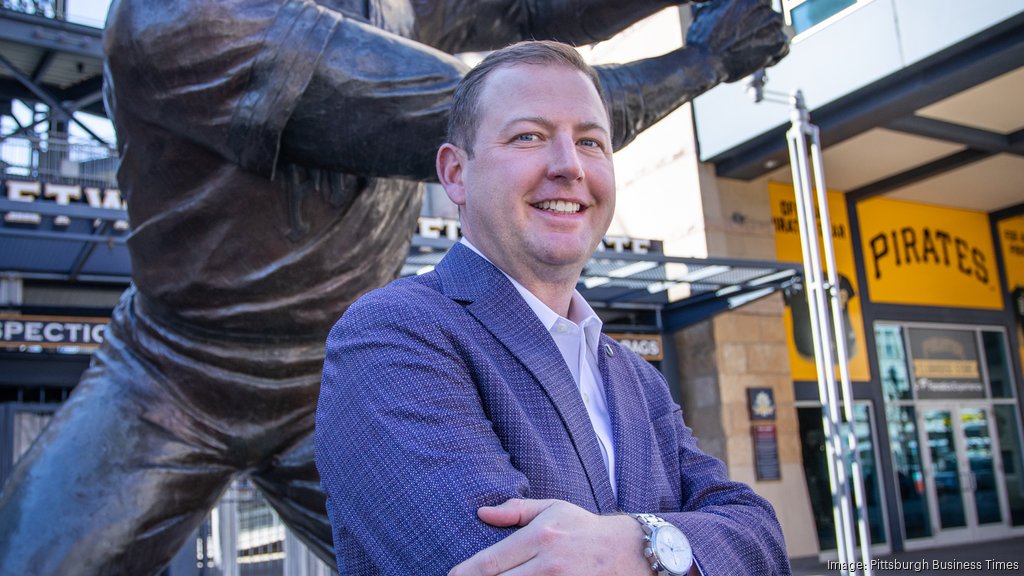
565,160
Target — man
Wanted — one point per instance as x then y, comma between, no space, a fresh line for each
474,419
270,157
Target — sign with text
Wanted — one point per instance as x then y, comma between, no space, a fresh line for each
648,346
928,255
797,315
52,331
766,452
1011,243
30,191
945,364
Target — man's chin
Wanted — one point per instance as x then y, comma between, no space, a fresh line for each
569,260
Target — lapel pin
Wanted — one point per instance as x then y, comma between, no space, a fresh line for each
608,348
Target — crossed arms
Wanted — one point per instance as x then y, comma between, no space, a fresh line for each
421,425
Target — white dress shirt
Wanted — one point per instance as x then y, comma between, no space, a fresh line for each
577,338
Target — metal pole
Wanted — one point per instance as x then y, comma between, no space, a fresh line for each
822,297
819,321
840,434
842,356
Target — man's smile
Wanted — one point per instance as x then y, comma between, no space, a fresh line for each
559,206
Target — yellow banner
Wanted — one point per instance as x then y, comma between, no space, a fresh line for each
797,318
928,255
1011,242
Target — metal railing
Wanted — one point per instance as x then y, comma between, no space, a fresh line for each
241,536
72,11
59,161
56,9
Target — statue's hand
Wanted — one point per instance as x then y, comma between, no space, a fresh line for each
743,35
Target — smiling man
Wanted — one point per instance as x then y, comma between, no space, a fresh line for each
473,420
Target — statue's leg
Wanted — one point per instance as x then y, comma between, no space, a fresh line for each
292,486
119,479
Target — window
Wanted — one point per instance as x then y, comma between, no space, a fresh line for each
804,14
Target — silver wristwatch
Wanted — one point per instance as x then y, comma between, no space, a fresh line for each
665,546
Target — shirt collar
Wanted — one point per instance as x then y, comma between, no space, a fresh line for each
580,312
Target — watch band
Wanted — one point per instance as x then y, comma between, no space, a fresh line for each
650,523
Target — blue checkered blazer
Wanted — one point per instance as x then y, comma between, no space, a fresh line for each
444,392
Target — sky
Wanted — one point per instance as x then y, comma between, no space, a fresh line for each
88,12
91,13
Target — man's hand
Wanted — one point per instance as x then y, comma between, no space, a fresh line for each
557,537
742,35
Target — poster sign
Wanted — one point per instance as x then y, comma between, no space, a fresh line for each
761,403
766,452
945,364
928,255
1011,243
797,315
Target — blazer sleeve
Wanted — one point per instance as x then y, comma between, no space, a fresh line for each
732,530
404,448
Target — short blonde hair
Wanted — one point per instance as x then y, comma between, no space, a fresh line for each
464,116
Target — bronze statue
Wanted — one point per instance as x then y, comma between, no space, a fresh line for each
270,155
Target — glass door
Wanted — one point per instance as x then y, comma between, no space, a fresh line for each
963,472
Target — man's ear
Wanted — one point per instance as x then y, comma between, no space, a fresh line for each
450,163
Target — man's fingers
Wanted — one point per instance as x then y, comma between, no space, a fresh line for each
556,537
499,558
514,512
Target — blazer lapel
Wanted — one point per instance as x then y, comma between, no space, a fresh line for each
627,407
496,304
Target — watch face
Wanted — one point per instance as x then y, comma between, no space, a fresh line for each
672,549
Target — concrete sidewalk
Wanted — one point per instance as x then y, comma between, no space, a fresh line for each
960,559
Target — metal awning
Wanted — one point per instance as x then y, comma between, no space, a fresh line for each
47,60
90,248
684,290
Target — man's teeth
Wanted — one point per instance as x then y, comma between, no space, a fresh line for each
559,206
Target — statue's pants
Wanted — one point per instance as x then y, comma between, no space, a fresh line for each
161,422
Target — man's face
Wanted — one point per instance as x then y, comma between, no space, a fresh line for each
539,192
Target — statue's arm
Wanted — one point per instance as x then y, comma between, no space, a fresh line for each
474,25
727,41
376,104
267,83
